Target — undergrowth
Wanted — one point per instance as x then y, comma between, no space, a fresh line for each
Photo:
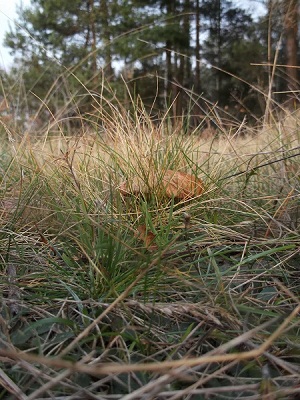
106,296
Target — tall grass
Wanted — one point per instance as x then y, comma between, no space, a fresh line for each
139,297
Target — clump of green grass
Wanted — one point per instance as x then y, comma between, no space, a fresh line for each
92,308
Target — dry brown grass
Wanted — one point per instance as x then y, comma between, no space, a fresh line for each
106,296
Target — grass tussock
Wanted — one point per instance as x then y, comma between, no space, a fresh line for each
147,296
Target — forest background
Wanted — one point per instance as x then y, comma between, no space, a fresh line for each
142,258
194,55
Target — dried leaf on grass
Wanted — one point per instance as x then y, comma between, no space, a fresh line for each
147,237
181,185
172,183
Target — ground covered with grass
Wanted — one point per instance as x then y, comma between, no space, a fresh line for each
143,295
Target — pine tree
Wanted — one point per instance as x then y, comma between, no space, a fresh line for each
278,34
232,45
156,44
63,48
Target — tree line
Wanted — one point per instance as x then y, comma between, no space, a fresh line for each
189,55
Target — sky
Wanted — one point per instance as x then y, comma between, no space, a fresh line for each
8,14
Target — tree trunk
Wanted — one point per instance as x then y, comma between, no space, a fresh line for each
291,36
171,61
106,38
169,69
219,50
93,38
187,49
197,48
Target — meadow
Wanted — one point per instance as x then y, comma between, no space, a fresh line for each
107,295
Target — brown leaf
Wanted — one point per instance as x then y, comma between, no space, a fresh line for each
172,183
147,237
181,185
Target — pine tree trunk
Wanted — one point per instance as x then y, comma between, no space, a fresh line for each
197,48
291,35
169,69
106,39
93,38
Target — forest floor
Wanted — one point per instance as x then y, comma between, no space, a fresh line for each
143,295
